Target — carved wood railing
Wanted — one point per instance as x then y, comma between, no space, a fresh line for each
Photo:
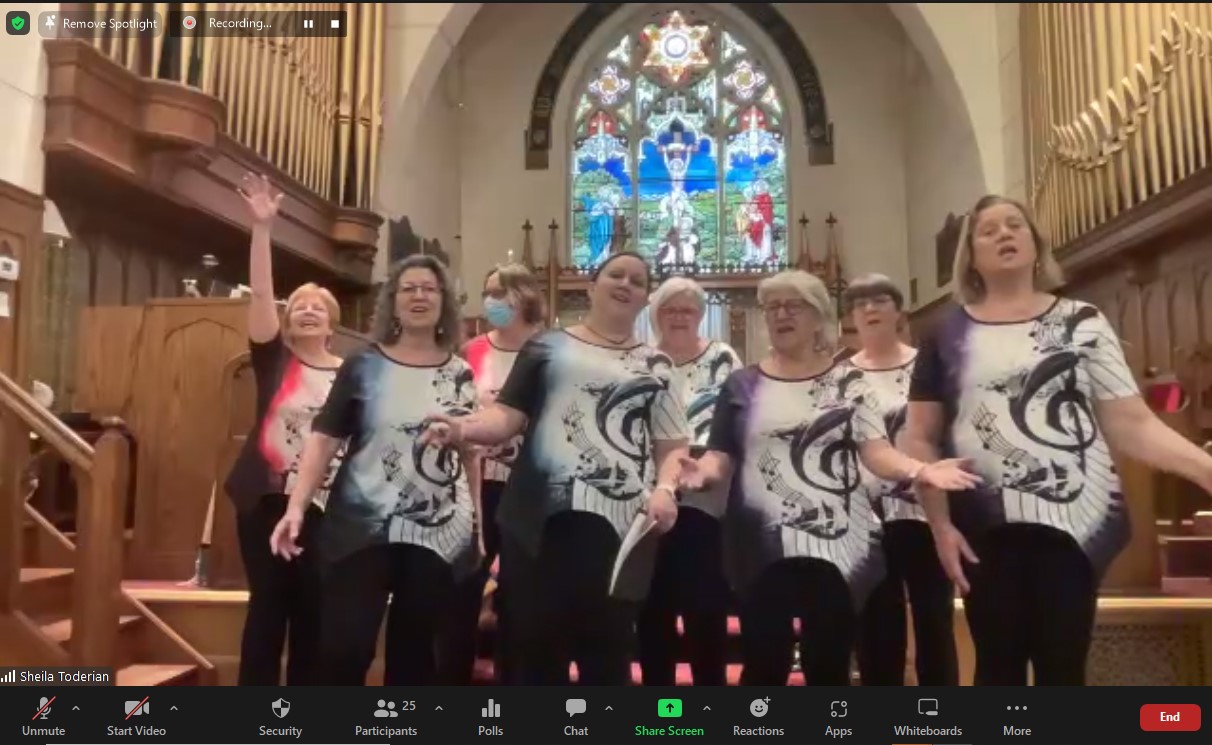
102,473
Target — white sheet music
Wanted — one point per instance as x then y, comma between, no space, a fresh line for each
636,559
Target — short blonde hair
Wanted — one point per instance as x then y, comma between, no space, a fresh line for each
311,289
812,290
969,287
671,288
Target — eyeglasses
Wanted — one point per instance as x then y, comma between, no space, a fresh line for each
425,290
790,307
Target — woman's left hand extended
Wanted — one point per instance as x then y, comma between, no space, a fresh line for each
662,509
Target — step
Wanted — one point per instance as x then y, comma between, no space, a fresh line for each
1186,556
61,630
156,675
46,591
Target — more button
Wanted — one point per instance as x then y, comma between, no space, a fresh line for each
1170,718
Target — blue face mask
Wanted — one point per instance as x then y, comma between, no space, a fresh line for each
498,313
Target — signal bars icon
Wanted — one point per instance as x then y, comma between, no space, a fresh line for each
9,677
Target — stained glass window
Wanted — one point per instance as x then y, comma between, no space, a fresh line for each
678,149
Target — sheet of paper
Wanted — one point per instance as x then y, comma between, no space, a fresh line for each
636,560
5,311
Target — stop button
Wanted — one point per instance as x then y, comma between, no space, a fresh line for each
1170,718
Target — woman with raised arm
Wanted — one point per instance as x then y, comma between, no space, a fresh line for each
400,521
514,308
1035,391
801,538
293,370
689,578
874,306
604,432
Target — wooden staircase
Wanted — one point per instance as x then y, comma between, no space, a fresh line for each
61,599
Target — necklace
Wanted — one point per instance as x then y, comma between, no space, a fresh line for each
604,337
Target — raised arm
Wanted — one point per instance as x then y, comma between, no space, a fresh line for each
263,323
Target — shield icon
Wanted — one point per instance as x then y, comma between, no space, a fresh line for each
281,708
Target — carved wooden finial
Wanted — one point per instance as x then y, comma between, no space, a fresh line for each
527,245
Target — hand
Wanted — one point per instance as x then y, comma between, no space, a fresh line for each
953,550
951,474
692,477
662,509
284,541
442,431
258,195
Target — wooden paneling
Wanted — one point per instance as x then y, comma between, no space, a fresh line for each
161,368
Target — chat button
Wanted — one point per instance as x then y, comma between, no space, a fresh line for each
575,706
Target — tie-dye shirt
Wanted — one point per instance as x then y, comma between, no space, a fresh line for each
698,383
890,389
594,415
491,366
796,487
289,395
390,488
1018,399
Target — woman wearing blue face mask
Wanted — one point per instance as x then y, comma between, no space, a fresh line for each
514,308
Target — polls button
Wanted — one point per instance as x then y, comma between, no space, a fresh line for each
1170,718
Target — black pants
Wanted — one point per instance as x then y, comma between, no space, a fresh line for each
459,639
688,582
913,565
356,590
283,599
814,591
559,608
1033,600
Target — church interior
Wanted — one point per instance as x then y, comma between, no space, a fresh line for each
724,141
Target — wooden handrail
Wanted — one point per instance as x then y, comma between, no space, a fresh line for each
69,445
102,474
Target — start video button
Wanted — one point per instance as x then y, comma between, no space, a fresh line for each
1170,718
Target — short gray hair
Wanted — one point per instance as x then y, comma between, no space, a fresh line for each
812,290
670,289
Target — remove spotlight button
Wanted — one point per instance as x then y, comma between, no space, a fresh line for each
1170,718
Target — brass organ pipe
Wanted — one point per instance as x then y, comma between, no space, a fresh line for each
1204,18
243,47
376,114
1165,95
309,118
258,103
290,72
1094,176
114,48
1145,71
132,48
1100,13
345,115
187,47
1198,83
1073,92
296,139
1185,79
1047,112
1138,105
156,42
329,72
1081,73
1122,159
362,148
273,102
210,58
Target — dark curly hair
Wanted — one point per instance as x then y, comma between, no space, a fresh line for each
386,330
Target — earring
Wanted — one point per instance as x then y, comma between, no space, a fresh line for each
397,328
1037,267
439,332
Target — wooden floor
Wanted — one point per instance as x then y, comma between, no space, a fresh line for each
1140,639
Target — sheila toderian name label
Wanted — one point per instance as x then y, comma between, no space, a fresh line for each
57,676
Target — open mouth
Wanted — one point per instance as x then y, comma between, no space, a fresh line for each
308,323
418,308
1007,250
784,328
621,295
